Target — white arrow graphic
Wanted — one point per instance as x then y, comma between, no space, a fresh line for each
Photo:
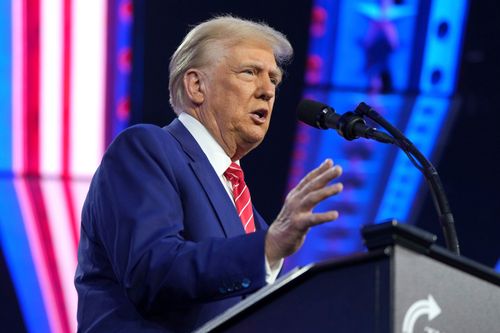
424,306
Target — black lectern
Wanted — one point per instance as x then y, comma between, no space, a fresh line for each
403,283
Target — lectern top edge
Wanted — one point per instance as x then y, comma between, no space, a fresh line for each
391,233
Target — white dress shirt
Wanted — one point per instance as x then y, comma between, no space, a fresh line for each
220,162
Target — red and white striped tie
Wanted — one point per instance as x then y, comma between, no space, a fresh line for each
241,196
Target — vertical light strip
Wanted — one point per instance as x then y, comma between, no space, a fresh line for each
87,85
66,117
59,224
50,86
66,87
119,66
17,85
440,55
25,38
37,253
59,216
31,92
5,87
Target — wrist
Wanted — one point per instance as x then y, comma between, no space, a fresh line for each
271,249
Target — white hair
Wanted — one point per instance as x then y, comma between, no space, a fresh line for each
197,46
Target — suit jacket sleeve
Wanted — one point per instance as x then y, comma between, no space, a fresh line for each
135,212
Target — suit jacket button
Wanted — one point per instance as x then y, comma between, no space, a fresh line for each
245,283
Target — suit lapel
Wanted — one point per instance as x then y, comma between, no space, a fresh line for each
209,180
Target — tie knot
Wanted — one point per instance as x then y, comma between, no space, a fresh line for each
234,172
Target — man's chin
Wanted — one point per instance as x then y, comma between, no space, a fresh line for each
256,139
249,144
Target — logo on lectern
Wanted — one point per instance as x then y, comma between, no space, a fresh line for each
420,308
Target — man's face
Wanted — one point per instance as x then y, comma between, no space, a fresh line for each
239,97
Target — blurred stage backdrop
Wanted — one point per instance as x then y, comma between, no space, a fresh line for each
74,73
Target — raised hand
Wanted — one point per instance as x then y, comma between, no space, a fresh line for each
287,233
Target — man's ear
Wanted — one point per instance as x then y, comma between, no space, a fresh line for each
194,86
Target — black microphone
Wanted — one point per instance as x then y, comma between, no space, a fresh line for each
349,125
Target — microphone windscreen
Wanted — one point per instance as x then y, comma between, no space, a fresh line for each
310,112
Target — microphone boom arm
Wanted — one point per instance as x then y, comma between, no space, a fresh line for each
431,176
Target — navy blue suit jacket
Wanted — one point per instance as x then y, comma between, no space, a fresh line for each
162,248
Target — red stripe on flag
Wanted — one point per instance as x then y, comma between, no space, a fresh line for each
31,157
66,119
66,93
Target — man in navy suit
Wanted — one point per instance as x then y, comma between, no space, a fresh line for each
163,247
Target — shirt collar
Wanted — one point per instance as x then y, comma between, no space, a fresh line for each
210,147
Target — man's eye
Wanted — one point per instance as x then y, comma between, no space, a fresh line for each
248,71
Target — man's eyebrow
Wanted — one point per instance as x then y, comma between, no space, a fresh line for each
256,65
275,73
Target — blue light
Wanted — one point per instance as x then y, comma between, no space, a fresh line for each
350,53
18,257
12,234
424,129
5,87
443,44
323,43
119,87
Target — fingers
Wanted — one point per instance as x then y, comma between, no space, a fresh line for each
322,179
317,179
320,182
320,218
314,186
311,199
327,164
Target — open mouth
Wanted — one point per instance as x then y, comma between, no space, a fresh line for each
259,115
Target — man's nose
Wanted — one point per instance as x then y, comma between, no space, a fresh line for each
266,89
